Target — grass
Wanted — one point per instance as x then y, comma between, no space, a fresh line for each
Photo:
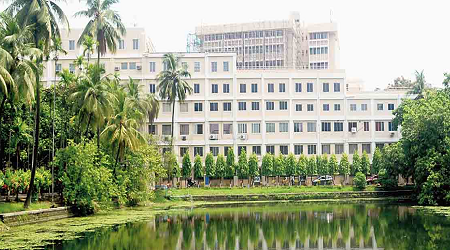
263,190
9,207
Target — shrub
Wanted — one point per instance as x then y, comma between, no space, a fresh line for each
198,167
267,165
387,181
360,181
186,170
210,166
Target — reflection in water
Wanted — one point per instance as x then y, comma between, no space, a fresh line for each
278,227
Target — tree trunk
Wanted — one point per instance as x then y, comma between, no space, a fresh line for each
2,107
87,127
173,121
36,143
17,156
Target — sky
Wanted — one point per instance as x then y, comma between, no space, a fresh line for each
379,40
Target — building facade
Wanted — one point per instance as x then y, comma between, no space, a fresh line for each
274,44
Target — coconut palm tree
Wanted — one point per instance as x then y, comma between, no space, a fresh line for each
68,82
89,45
79,62
44,15
105,25
172,83
146,105
419,85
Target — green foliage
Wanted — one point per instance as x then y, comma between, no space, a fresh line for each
220,166
186,170
267,165
311,167
344,165
360,181
393,162
322,165
198,167
242,167
302,165
387,181
253,169
365,163
170,164
377,162
356,164
333,166
291,165
231,164
279,165
210,166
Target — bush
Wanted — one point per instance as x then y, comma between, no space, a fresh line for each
360,181
387,181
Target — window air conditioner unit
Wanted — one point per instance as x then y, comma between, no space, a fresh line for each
183,138
392,134
116,68
139,67
353,130
243,137
213,137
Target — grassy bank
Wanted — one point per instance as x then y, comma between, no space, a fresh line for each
9,207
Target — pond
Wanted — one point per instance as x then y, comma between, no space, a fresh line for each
282,226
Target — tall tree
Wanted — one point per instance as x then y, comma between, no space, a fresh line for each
220,167
198,167
419,84
172,83
242,167
376,162
356,164
231,163
302,163
44,15
344,165
267,165
365,163
186,170
210,166
253,169
333,165
291,163
89,45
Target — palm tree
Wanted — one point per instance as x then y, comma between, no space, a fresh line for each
79,61
105,25
44,15
68,81
89,45
146,105
419,85
172,85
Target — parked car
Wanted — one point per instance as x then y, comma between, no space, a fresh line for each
372,179
323,180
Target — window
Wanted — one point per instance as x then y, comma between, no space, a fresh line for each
366,126
364,107
256,150
152,66
326,149
184,150
196,66
72,68
71,44
284,127
214,150
270,87
132,65
226,66
184,107
312,149
270,149
298,149
242,128
337,87
254,88
184,129
135,44
326,126
379,126
353,148
256,128
242,105
298,107
225,150
338,126
227,128
380,146
337,107
283,105
165,66
213,66
198,151
352,125
255,105
366,148
311,127
184,65
326,87
281,87
270,106
380,106
270,127
166,129
199,129
310,107
124,66
214,106
214,128
198,107
352,107
214,88
391,126
284,149
227,106
152,129
226,88
310,87
339,149
391,106
242,88
298,87
326,107
166,107
298,127
196,88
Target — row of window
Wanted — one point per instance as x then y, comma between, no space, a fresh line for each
318,51
121,44
248,34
